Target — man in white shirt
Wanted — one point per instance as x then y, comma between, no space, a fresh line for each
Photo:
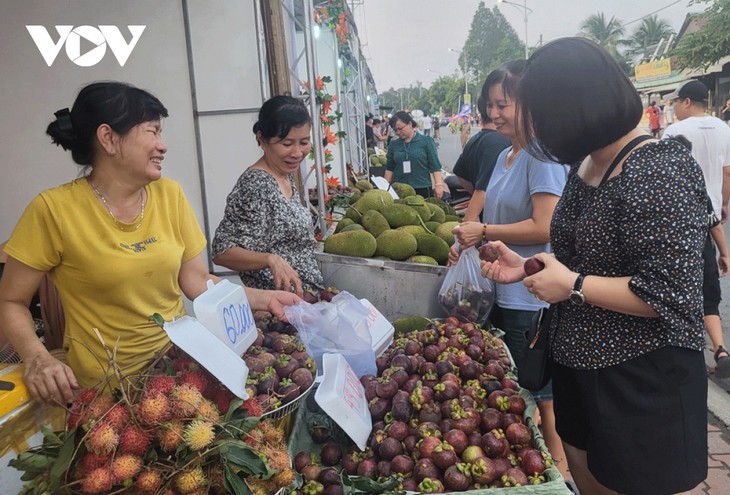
710,138
427,124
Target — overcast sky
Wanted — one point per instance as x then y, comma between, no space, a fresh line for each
403,39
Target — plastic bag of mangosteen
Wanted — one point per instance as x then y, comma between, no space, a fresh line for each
465,294
339,326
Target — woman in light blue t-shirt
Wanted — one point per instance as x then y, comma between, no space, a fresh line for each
519,203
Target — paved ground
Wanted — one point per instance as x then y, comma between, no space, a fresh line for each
718,460
718,403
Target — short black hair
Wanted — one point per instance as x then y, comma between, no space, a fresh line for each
404,117
279,114
482,109
508,75
119,105
575,99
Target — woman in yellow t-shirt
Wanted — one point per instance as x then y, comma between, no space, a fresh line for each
121,243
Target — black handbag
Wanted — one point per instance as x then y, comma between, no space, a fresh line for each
534,371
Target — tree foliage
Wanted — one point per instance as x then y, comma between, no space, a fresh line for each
604,32
491,42
649,33
445,93
607,33
701,49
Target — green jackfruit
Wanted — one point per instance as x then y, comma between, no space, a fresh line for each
452,218
380,193
396,245
400,215
432,226
374,162
354,226
364,185
403,190
359,243
444,232
424,260
374,222
343,223
420,205
408,324
373,200
437,214
371,151
413,229
433,246
448,209
353,214
354,196
383,160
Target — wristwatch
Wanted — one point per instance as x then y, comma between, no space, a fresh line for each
576,295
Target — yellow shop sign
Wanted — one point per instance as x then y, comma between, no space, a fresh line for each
653,70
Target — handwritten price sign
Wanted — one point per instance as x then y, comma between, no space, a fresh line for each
238,321
224,310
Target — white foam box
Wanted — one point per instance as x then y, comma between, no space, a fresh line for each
342,397
381,330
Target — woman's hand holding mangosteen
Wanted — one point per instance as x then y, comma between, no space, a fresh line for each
551,283
505,266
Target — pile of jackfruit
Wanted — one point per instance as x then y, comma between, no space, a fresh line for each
375,159
411,228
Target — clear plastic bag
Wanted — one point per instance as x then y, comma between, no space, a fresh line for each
465,294
339,326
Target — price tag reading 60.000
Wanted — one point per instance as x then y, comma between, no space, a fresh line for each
225,311
238,321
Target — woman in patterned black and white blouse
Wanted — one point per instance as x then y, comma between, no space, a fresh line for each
629,380
267,234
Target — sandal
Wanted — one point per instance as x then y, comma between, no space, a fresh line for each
722,370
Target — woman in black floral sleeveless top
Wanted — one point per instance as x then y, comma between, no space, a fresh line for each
629,379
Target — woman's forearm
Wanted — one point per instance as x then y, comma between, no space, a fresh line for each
521,233
614,294
19,330
241,260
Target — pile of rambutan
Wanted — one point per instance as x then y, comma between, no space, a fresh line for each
178,433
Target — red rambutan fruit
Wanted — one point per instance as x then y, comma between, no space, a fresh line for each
148,481
253,407
154,409
194,378
170,435
161,384
101,439
91,461
134,440
98,481
118,416
185,400
125,467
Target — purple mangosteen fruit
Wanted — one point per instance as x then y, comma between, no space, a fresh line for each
455,480
330,454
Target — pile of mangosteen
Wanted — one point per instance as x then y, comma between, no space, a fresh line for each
447,415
